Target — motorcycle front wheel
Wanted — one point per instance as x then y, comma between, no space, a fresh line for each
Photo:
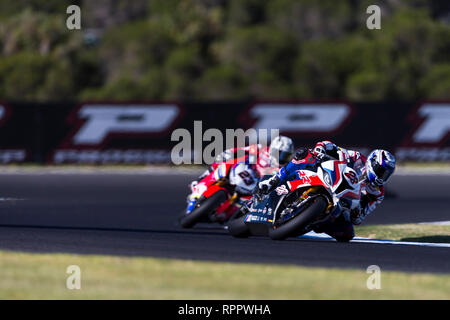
237,227
293,227
207,206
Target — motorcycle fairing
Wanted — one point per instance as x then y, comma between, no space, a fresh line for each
329,175
262,211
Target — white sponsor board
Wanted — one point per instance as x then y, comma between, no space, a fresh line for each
303,117
422,154
12,156
436,125
129,156
103,120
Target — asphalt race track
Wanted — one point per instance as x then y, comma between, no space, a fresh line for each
135,214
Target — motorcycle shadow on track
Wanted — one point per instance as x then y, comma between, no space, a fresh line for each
108,229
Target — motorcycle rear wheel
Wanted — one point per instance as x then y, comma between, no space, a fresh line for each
298,223
206,207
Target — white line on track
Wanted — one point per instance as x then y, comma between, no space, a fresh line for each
323,236
438,223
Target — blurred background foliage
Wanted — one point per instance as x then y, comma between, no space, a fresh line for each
219,49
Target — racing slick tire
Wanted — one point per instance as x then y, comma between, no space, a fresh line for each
298,223
206,207
238,229
343,239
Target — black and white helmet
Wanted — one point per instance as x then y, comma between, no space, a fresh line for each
281,150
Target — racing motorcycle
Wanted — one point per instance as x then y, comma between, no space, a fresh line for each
233,185
307,198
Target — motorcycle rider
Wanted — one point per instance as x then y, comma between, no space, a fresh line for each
374,172
266,160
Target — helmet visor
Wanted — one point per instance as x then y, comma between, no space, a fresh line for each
380,171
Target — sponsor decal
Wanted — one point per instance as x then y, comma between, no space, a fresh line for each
423,154
435,125
351,175
98,122
431,125
429,138
304,179
141,132
110,156
12,156
281,190
252,218
301,118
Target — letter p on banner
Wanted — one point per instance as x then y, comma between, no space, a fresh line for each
74,280
374,281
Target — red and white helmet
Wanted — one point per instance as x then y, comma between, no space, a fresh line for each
281,150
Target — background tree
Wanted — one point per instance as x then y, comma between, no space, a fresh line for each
218,49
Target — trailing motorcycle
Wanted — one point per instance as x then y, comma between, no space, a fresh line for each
217,199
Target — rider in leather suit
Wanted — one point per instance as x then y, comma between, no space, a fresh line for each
375,171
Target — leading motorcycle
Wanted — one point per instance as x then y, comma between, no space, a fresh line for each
307,198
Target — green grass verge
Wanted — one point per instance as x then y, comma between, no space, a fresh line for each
406,232
43,276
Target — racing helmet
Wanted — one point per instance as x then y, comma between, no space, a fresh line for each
380,165
281,150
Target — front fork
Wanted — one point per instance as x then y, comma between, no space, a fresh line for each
194,197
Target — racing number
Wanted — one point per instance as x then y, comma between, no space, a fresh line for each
248,180
352,177
304,178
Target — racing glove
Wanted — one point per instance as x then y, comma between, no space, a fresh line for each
266,186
